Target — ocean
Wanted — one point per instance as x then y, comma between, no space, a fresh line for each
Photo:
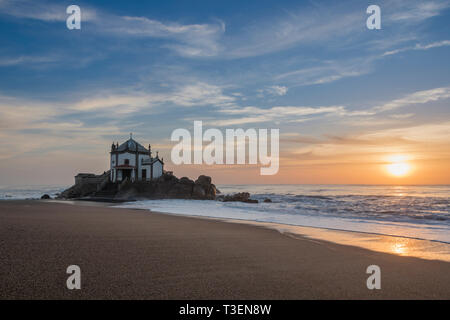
29,192
418,212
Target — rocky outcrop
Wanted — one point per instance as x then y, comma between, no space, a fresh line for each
86,185
170,187
238,197
204,188
45,197
78,190
165,187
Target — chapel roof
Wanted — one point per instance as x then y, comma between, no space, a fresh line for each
131,145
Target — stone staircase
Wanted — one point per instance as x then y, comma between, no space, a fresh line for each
108,190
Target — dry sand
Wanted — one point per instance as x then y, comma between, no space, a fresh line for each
135,254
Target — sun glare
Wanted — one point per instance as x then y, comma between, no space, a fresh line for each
398,166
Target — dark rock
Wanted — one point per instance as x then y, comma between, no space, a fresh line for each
181,191
167,178
267,200
45,197
204,189
186,180
165,187
203,180
212,191
198,192
240,197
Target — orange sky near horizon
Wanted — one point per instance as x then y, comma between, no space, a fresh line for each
358,159
60,168
422,172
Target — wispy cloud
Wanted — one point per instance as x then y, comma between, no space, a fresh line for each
327,72
277,90
29,126
333,25
303,27
418,46
414,11
275,114
114,102
419,97
428,133
27,60
200,94
285,110
192,40
402,116
128,101
290,114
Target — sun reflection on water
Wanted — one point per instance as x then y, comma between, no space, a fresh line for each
399,248
382,243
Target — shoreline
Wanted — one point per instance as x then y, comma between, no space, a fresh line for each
349,237
140,254
378,242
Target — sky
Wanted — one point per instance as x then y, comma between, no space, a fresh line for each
347,100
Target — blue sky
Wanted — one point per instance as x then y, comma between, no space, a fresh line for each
341,94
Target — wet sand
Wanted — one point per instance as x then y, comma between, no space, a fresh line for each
136,254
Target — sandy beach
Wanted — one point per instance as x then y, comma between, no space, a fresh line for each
137,254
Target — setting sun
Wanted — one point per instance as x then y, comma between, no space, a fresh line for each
398,166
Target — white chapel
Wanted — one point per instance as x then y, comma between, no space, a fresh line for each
132,161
